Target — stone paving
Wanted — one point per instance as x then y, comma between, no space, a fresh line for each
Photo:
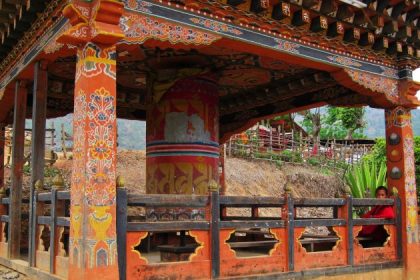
7,274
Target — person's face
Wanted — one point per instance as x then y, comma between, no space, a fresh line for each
381,194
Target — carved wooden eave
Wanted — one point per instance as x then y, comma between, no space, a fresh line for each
386,92
385,29
16,18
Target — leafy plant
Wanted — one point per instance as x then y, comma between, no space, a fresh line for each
379,155
365,177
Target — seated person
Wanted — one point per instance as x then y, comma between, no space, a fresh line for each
377,232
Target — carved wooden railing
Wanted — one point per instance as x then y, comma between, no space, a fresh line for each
49,229
216,256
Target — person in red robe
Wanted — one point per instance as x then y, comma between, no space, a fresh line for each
377,232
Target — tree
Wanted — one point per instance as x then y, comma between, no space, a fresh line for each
350,119
312,123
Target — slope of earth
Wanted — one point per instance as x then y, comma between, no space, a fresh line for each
243,177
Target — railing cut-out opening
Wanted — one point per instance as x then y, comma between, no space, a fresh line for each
44,238
162,247
252,242
318,239
378,237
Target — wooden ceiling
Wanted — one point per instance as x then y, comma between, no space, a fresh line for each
250,86
16,18
384,26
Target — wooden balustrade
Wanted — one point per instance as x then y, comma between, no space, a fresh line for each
289,249
216,256
50,227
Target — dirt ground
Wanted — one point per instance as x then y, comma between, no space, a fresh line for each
243,177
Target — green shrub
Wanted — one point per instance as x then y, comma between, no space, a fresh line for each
365,177
315,161
378,154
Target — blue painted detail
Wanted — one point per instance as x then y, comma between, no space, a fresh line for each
264,40
75,256
101,258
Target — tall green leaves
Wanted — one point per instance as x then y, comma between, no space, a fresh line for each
365,177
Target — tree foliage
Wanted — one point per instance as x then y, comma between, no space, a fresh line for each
349,119
312,123
336,122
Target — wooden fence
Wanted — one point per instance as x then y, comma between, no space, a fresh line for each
289,147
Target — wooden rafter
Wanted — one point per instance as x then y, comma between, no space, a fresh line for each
389,26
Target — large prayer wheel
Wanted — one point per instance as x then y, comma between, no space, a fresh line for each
182,148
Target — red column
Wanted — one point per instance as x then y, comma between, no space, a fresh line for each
93,243
2,143
183,142
222,173
15,210
401,175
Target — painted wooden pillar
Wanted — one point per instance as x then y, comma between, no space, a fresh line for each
94,31
182,143
39,112
93,243
17,169
401,175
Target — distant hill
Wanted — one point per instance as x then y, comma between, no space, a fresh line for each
376,122
132,134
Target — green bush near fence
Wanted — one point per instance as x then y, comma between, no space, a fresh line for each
364,177
379,155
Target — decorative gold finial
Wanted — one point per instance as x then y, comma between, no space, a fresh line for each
394,191
120,181
58,182
287,188
213,186
39,186
347,191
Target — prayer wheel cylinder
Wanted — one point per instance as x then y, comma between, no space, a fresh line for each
182,144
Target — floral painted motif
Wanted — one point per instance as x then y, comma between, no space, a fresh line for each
344,60
94,61
93,192
53,47
101,148
138,29
138,5
399,117
216,26
398,121
410,189
287,46
376,83
389,72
